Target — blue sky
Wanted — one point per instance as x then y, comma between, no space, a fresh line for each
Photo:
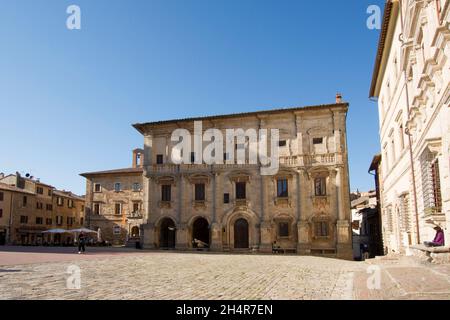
68,97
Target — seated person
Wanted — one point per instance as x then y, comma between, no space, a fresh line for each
275,248
438,240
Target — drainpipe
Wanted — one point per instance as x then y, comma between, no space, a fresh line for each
411,156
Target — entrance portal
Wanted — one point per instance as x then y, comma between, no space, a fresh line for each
241,234
135,232
200,231
167,234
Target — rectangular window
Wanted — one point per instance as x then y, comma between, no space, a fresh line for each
39,220
240,190
436,185
23,219
317,140
117,187
60,201
49,207
321,229
226,198
199,191
118,208
320,187
166,192
39,190
24,201
48,221
81,221
283,229
192,157
49,193
70,203
1,196
97,187
135,207
282,188
136,186
39,205
96,208
159,159
116,230
1,213
59,220
282,143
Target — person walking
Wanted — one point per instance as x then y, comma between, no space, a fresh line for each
81,243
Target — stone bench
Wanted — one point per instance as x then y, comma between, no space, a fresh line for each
431,254
284,250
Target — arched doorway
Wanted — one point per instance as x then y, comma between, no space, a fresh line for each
167,233
241,234
200,231
135,232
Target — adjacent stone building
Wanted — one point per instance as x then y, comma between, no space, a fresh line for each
114,202
11,201
30,207
304,207
411,80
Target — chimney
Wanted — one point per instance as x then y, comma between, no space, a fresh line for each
338,98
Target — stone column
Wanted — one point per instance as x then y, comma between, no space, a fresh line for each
216,230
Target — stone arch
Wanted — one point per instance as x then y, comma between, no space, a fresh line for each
134,231
228,223
199,228
166,232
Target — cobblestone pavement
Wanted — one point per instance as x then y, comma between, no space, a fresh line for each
172,275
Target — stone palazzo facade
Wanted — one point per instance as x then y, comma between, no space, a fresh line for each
304,207
412,83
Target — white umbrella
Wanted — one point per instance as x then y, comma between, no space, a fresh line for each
55,231
99,235
85,230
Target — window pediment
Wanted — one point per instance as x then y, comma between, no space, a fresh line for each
165,180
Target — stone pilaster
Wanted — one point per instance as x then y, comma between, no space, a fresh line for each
182,237
304,243
265,227
148,236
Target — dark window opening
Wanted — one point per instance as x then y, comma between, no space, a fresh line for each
320,187
159,159
317,140
226,198
240,190
166,192
283,229
282,188
321,229
200,192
